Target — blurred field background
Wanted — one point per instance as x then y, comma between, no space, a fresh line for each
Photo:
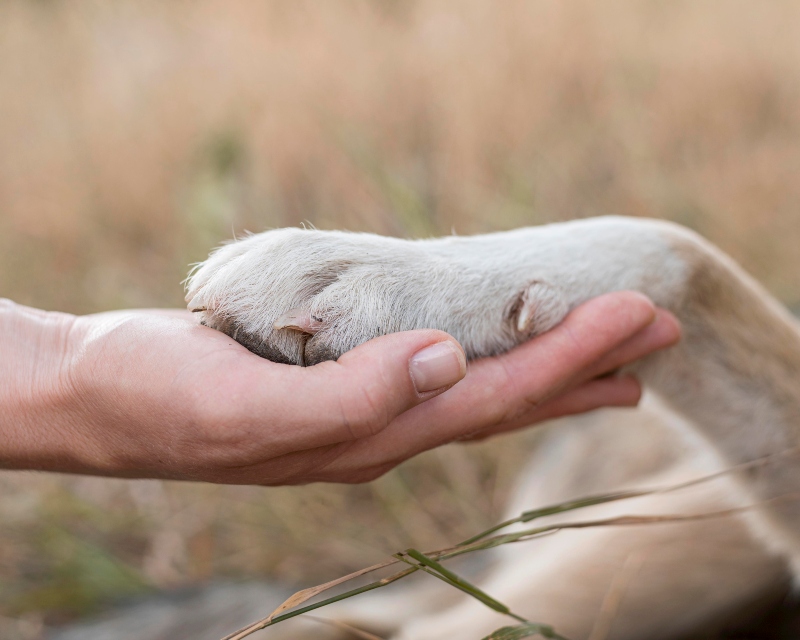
135,135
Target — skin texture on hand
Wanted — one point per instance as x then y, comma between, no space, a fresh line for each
153,394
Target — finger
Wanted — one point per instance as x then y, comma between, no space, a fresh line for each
664,332
339,403
325,464
503,388
507,388
593,394
624,391
545,366
258,411
368,387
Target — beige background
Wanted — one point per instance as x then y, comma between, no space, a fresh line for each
135,135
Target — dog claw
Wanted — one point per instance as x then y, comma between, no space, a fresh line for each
525,317
298,320
195,304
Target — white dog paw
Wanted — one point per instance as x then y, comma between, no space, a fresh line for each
304,296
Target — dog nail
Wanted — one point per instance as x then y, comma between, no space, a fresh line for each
298,320
195,304
525,317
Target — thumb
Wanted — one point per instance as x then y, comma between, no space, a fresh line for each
382,378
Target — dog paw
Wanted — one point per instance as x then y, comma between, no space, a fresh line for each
301,296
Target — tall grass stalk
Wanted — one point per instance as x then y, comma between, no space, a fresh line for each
430,562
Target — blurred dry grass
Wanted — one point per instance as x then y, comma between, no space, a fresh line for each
134,135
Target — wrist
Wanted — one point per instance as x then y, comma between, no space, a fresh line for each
37,403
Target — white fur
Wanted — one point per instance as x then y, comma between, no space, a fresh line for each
362,285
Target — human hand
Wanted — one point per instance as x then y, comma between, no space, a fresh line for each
153,394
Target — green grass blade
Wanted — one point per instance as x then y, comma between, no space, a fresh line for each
263,624
563,507
458,582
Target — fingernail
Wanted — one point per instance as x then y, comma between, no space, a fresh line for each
440,365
